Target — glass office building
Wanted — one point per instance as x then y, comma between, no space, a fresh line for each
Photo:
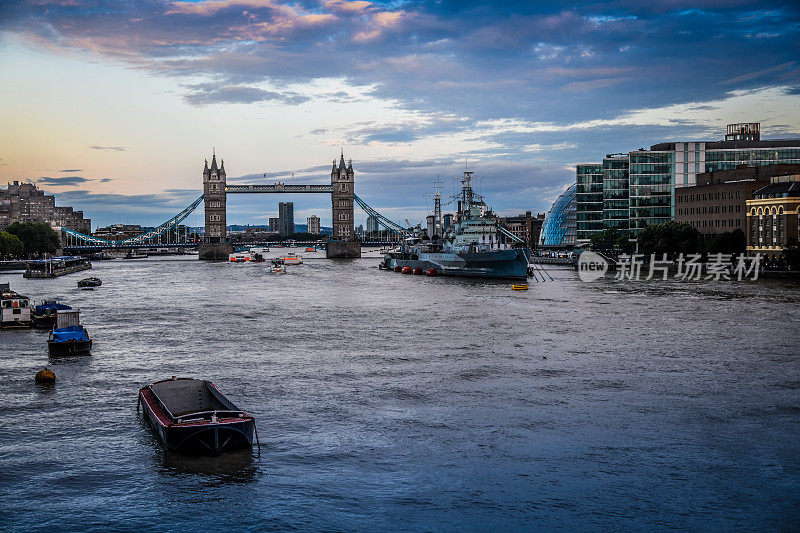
615,192
653,175
651,188
589,200
559,227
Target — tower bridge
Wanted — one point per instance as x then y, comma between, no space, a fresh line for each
342,190
216,245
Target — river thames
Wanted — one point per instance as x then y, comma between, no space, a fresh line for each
407,402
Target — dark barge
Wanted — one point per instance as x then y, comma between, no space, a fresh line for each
192,416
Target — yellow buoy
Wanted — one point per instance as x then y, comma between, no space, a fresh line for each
45,376
519,287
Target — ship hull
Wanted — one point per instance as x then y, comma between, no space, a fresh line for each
502,264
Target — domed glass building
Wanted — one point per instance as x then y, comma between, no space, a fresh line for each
560,223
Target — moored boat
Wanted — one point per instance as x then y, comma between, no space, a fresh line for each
15,310
292,258
192,416
44,314
69,337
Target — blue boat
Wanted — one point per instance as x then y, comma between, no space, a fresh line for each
44,314
475,245
69,337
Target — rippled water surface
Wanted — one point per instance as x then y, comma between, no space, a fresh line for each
385,400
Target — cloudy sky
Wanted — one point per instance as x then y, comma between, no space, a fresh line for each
113,106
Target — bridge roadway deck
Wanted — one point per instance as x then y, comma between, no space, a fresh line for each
279,188
110,246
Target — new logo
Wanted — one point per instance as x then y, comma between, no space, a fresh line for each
591,266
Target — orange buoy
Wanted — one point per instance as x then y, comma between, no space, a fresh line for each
45,375
406,270
432,272
418,271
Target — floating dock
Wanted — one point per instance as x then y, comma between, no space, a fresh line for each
56,266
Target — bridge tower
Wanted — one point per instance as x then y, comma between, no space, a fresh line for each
215,243
343,242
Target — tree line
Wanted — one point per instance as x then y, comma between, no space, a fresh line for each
671,238
28,240
675,238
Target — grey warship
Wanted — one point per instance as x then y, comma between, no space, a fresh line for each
475,245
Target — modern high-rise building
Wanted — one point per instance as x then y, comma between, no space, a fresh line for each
448,220
651,176
589,199
615,192
372,223
274,223
312,225
285,219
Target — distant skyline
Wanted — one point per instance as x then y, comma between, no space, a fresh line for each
113,106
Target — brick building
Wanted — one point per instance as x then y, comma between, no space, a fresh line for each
525,226
25,202
717,203
772,216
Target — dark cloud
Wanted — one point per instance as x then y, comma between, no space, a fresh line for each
72,170
209,93
547,61
456,63
106,180
62,181
108,148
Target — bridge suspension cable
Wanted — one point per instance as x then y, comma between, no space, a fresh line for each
508,234
395,228
138,239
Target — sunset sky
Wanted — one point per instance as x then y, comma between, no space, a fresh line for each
113,106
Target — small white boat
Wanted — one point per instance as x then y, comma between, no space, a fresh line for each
277,267
292,259
239,257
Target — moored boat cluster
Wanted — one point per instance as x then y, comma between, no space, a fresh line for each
187,415
67,335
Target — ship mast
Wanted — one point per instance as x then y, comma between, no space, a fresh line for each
437,207
466,190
